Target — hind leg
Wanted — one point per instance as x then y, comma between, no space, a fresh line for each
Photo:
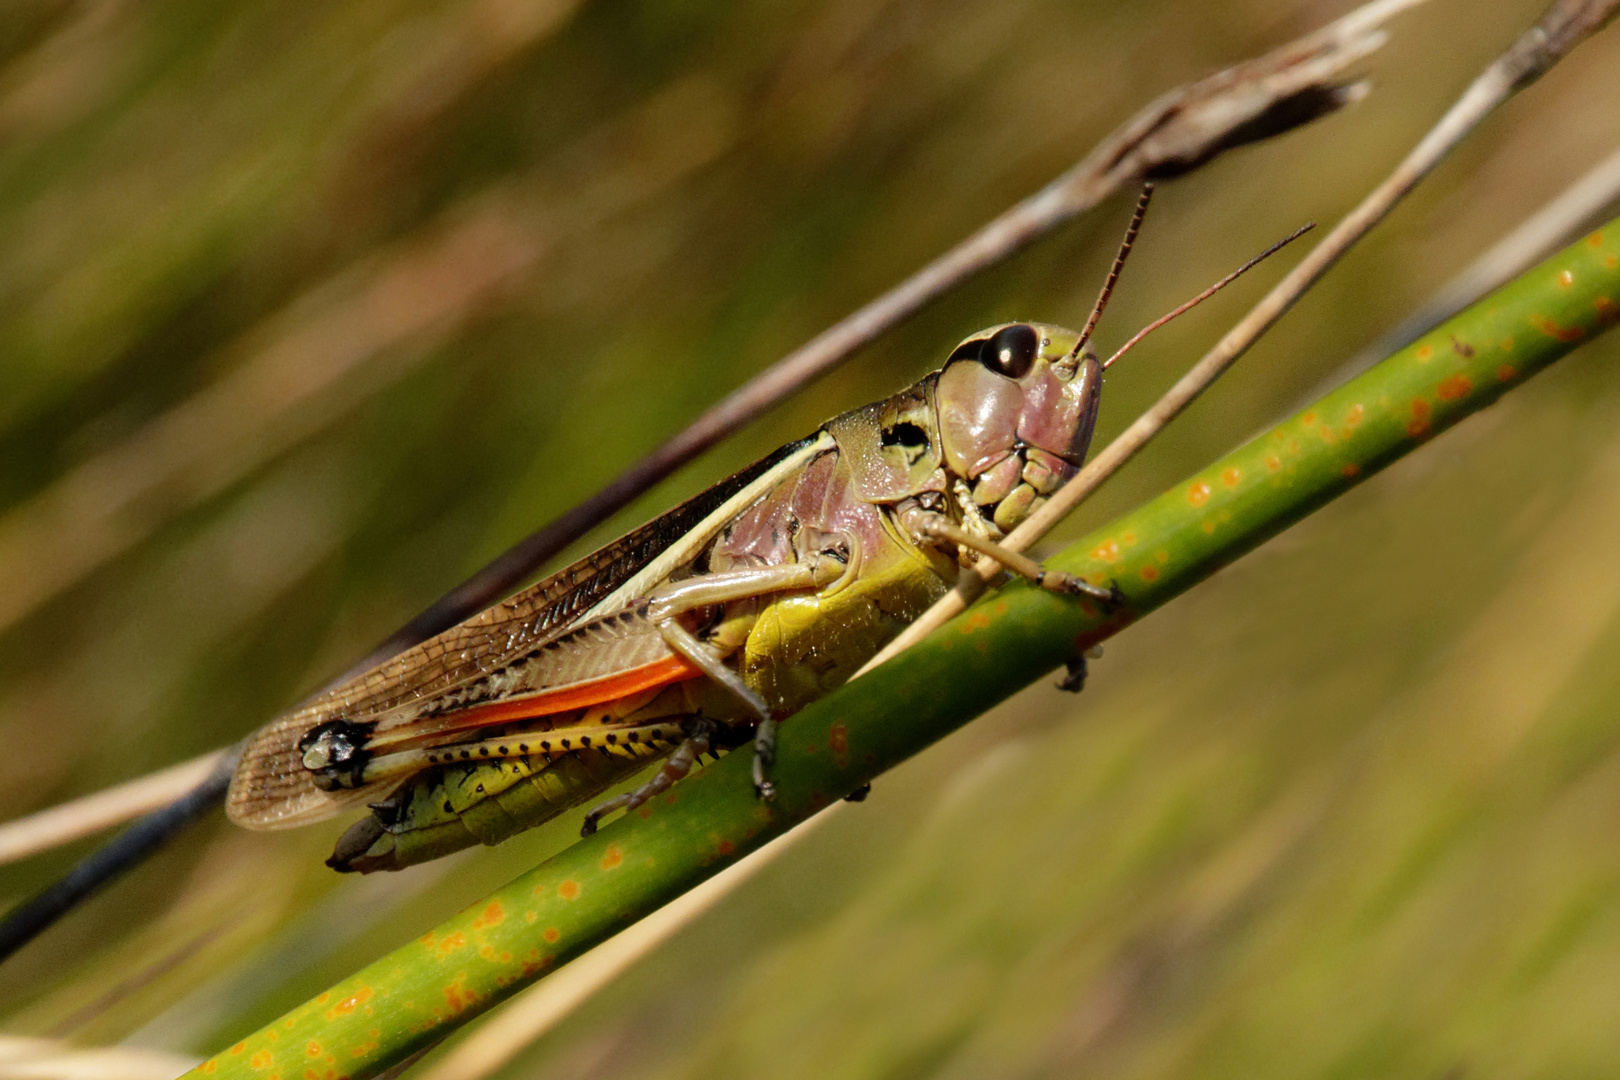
699,733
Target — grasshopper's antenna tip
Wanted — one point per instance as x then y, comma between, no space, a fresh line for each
1211,291
1142,201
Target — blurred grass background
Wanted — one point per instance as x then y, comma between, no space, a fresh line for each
305,313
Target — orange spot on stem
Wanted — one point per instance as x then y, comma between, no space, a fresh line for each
568,890
1505,373
1420,418
838,743
613,858
1565,334
1198,494
1453,388
1231,477
1150,573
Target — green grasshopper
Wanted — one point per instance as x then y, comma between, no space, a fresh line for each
704,626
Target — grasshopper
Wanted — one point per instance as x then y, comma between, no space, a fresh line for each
702,628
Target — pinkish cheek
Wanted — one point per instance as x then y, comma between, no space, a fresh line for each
1059,416
978,416
1051,428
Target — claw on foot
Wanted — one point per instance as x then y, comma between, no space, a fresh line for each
859,794
1075,680
1070,585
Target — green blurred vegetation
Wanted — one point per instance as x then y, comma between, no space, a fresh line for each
1348,809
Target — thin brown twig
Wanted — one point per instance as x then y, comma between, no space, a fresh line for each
1565,25
1589,199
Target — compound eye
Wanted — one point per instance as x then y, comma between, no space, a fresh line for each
1011,351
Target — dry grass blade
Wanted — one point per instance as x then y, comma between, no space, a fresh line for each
1564,26
82,817
47,1059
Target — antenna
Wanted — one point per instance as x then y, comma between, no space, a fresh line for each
1206,294
1142,201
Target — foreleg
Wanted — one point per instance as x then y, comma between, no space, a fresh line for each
815,571
681,640
929,526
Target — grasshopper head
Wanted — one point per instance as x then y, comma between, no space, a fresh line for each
1016,411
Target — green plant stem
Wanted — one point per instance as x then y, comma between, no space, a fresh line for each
424,990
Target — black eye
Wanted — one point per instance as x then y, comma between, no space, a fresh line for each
1011,352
